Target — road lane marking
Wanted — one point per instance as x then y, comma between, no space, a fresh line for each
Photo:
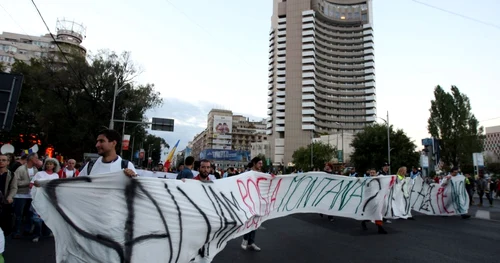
483,214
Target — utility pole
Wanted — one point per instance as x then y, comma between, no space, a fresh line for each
312,136
123,132
115,94
111,122
343,161
388,143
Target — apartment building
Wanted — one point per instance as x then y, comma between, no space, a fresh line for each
69,37
228,138
491,146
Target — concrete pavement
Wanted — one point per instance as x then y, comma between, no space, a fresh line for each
485,212
310,238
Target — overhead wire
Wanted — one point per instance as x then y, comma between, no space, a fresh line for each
12,18
55,41
78,76
457,14
490,119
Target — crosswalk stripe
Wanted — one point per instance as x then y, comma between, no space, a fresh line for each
483,214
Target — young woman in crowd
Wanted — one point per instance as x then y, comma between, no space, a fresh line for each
49,172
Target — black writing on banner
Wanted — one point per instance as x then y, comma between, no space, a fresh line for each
335,195
435,199
111,218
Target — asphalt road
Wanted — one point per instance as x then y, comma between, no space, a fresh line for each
310,238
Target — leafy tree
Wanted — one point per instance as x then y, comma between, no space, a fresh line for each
452,122
3,67
322,153
65,105
370,149
152,147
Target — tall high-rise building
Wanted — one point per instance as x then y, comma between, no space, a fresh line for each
321,71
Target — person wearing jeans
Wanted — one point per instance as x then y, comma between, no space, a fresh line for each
49,172
483,187
249,238
22,200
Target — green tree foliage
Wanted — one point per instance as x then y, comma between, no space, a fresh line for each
152,146
370,149
3,67
322,153
452,122
65,105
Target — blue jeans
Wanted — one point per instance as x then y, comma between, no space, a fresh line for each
250,237
41,228
22,209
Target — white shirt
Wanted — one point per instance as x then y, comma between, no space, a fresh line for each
44,176
210,176
31,172
2,241
69,173
102,168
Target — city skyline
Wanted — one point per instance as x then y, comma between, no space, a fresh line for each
415,50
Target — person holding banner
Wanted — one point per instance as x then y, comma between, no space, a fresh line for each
49,171
108,161
329,170
445,181
379,223
249,238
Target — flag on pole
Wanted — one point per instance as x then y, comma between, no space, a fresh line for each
170,156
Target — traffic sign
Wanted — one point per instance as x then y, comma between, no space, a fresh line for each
161,124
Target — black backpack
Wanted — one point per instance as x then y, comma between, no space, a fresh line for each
91,164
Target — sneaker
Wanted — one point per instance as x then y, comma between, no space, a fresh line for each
244,244
254,247
35,240
388,221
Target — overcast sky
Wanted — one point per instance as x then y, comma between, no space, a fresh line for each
203,54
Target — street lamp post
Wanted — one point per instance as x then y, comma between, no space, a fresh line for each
342,134
388,140
388,143
123,132
312,145
115,94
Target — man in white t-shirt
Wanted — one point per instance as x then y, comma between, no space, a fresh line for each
109,161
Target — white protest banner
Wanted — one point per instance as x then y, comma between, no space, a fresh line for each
112,218
443,200
397,203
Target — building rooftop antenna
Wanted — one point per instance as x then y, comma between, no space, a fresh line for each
70,30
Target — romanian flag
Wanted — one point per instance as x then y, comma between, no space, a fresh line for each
170,156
